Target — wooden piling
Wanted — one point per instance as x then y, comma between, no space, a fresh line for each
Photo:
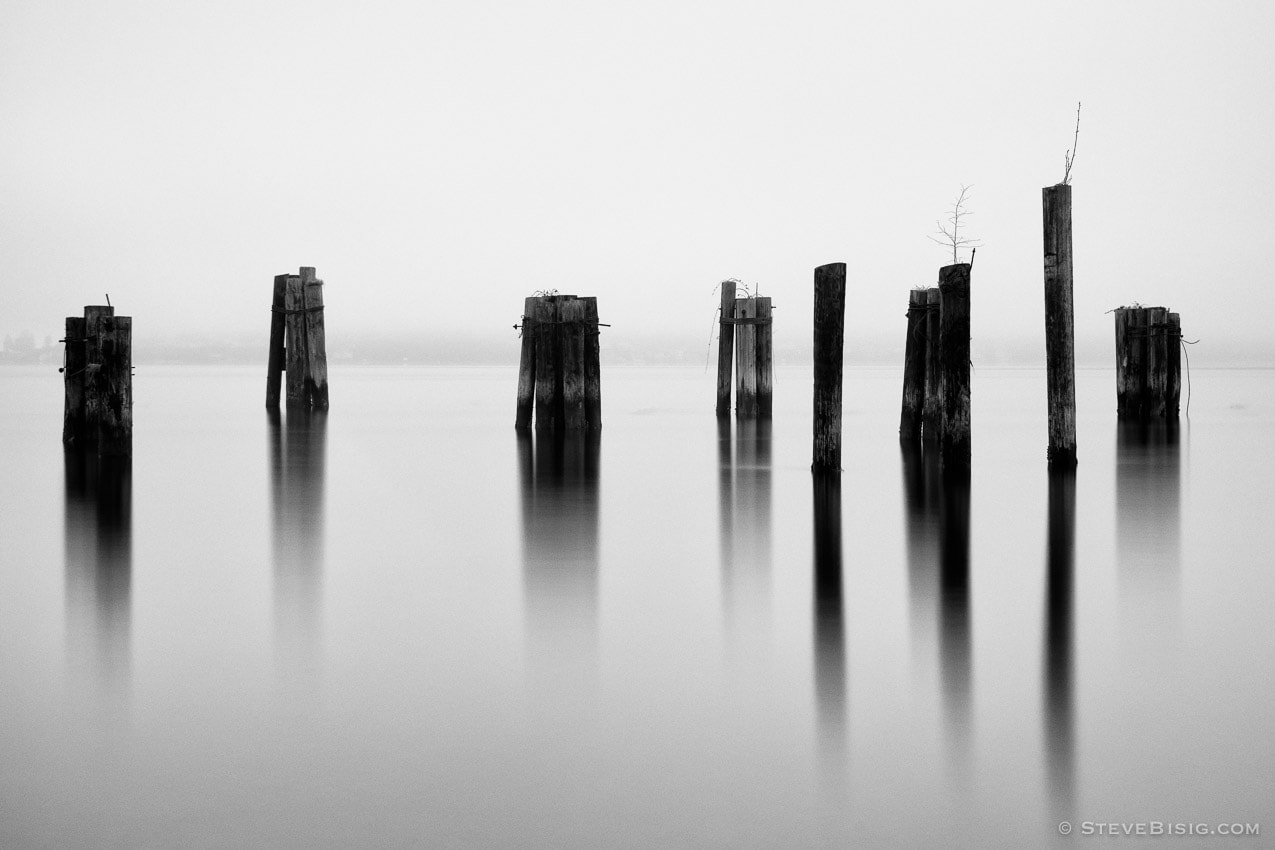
829,352
932,407
305,348
572,315
914,351
592,365
98,383
549,412
1173,384
1136,360
112,388
765,359
746,358
1124,376
1060,361
527,365
1157,325
275,357
75,361
954,365
725,348
95,386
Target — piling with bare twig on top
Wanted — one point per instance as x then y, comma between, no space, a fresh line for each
954,365
914,357
559,371
1060,361
98,383
829,352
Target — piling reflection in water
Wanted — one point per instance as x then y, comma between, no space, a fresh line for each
99,567
298,453
1059,673
744,495
954,595
921,512
1148,534
829,613
559,478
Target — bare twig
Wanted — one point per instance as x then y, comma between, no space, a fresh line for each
1069,158
951,232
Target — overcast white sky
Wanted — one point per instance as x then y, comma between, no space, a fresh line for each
438,161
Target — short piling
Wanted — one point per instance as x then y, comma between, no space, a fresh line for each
592,365
549,412
526,366
954,365
74,427
932,407
305,357
275,357
914,352
829,352
1157,361
98,383
1060,362
765,359
1173,381
746,358
725,348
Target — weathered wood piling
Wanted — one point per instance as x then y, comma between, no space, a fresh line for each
954,365
298,342
559,371
829,352
98,383
932,408
1148,362
745,326
725,348
1060,361
914,357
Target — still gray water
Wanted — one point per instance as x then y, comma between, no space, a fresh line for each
402,625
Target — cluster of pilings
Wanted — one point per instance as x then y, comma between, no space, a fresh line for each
98,381
298,343
559,371
745,328
1148,363
936,369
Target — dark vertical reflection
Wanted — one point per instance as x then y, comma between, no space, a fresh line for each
559,478
1060,641
1148,533
745,518
99,567
298,453
829,613
954,595
921,512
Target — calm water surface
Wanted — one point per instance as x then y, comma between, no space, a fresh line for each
402,625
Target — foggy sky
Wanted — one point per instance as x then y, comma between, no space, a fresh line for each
438,162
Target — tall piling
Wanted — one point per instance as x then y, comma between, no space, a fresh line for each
829,352
932,407
954,365
725,348
914,354
1060,361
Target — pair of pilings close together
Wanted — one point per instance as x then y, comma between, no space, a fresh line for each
98,383
298,343
1148,363
559,373
936,366
746,332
